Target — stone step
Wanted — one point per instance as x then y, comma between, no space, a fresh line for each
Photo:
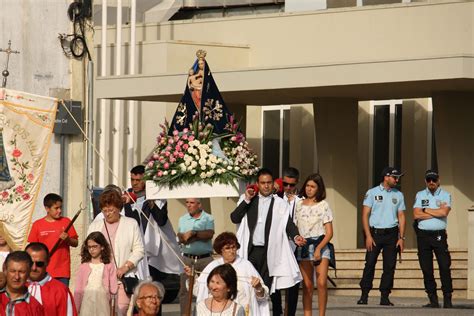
457,294
399,273
397,283
409,254
406,264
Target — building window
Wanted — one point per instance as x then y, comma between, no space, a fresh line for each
276,138
386,133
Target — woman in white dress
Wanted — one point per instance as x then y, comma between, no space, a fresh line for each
314,220
222,284
252,293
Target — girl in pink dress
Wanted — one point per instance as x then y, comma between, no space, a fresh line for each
96,282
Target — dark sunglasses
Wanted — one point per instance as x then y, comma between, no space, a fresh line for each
428,180
39,264
286,184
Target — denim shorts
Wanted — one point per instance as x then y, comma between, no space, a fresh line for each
304,254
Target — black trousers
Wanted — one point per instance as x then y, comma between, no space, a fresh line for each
387,243
429,242
258,257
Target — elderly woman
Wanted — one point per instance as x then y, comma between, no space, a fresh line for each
222,284
147,298
125,239
252,293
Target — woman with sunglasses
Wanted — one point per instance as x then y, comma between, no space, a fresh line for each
252,294
314,220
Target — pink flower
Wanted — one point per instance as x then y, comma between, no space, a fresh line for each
167,154
172,159
168,148
31,177
156,156
180,143
185,130
17,153
150,164
176,154
166,165
160,173
177,148
170,141
161,159
5,195
25,196
191,138
181,155
233,138
20,189
175,132
185,146
185,137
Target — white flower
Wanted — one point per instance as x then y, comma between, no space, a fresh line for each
187,163
229,167
173,172
202,162
194,164
203,175
236,168
165,173
193,171
203,167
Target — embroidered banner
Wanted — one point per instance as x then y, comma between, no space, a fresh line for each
26,124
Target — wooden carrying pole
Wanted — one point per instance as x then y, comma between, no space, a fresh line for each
56,245
190,291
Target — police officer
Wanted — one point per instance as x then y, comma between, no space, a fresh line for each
431,209
383,220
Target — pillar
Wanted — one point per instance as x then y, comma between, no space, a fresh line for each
336,140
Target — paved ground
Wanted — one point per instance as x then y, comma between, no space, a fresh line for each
345,305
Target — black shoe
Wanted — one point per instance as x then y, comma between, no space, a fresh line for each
363,300
385,301
433,301
447,301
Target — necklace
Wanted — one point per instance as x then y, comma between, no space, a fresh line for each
226,301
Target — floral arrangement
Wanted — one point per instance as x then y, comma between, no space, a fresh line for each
196,154
21,191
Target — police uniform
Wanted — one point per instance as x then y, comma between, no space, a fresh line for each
383,221
431,236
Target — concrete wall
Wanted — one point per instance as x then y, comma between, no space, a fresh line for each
33,28
336,140
453,115
348,35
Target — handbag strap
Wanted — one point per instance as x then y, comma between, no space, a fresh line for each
235,308
110,242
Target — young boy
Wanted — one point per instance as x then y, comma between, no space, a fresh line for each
48,231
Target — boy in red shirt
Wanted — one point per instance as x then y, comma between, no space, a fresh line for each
48,231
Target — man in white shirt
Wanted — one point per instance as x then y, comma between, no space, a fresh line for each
262,215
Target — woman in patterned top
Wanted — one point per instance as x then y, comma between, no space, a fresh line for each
314,221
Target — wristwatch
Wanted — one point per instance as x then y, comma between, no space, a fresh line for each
402,237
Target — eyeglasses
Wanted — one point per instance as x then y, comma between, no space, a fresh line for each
150,297
39,264
286,184
431,180
230,247
93,247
